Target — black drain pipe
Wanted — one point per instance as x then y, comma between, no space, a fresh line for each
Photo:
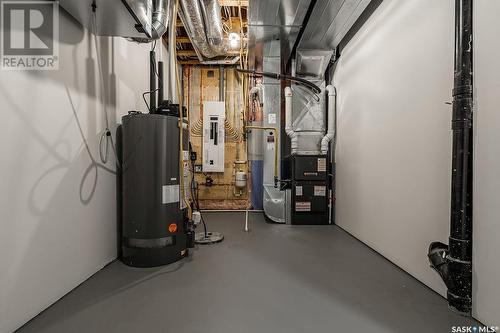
160,82
454,262
152,82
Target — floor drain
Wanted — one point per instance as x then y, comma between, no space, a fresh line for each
210,238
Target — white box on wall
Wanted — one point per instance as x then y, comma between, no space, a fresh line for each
214,114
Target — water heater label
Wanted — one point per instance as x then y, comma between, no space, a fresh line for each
170,194
271,118
321,164
302,206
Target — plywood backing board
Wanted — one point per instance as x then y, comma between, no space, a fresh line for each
202,84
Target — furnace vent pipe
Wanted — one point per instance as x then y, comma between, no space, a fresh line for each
330,134
161,17
288,120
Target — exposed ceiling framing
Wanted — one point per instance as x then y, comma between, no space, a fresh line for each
235,19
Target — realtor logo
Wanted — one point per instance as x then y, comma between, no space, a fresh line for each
29,35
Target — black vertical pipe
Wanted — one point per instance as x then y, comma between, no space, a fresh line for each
460,247
160,82
454,262
152,82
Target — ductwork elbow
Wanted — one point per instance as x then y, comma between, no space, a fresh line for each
288,119
161,17
330,134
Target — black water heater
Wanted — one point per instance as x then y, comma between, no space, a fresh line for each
153,222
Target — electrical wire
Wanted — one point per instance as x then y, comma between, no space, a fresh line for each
104,158
106,133
311,86
146,93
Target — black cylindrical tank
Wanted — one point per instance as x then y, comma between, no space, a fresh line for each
153,223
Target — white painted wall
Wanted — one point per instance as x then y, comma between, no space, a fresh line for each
57,203
486,231
394,141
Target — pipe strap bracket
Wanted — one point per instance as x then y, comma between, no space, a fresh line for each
460,249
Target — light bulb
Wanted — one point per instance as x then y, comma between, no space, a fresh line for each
234,40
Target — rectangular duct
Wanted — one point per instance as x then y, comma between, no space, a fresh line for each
124,18
313,63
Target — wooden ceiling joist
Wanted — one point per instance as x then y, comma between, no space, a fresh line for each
192,53
186,40
183,39
189,62
232,22
233,3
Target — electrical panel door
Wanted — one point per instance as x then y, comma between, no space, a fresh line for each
214,114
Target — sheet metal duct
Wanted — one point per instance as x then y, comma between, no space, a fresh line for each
142,20
161,17
309,118
313,63
213,21
203,23
332,20
274,25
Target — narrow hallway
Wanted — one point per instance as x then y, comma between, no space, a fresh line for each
261,281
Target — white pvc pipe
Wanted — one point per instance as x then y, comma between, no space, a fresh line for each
330,134
288,119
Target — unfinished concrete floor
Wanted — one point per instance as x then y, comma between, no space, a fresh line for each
276,278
